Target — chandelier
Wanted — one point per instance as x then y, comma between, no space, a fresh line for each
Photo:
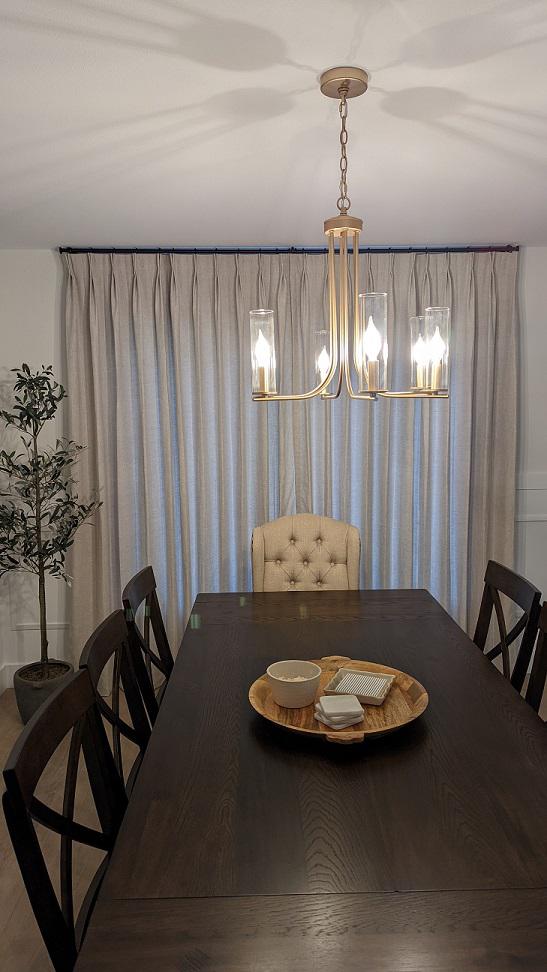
365,314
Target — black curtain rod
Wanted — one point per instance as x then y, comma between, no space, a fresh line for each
508,248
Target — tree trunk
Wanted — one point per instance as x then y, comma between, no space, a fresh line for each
41,572
43,620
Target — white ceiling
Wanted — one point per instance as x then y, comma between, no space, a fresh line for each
164,122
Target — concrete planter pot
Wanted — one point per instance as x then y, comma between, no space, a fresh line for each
31,692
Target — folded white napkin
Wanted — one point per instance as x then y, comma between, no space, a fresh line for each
335,720
338,712
340,706
337,725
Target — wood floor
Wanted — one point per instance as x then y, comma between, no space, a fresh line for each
21,947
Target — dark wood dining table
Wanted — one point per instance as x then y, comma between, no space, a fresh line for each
246,847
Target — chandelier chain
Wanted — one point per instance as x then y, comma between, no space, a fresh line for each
344,202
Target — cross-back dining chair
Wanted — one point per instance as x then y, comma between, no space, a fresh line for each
110,642
306,552
139,592
538,675
501,580
71,709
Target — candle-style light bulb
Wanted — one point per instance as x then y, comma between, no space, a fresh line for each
263,354
323,363
420,352
421,355
372,341
370,348
262,351
372,345
437,348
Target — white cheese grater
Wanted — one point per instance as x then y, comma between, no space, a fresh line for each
369,687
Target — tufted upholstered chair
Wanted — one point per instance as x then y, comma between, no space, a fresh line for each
306,553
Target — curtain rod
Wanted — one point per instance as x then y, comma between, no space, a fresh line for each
508,248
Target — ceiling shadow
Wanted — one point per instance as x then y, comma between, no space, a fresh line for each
475,37
255,103
128,144
188,33
448,110
427,103
422,103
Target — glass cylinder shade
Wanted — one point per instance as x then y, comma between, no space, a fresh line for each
437,330
370,352
263,352
321,355
419,354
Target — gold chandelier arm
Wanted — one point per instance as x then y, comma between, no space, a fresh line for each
362,396
356,322
297,397
343,314
423,393
333,316
328,396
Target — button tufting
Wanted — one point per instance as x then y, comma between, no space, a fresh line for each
278,562
292,540
292,583
305,563
332,563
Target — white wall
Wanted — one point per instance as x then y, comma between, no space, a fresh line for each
30,302
532,479
30,330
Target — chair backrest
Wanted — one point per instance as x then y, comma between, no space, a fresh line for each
501,580
306,552
111,642
72,708
538,675
141,591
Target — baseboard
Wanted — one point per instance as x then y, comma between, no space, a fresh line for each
6,675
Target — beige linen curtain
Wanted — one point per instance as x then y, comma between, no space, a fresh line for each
158,366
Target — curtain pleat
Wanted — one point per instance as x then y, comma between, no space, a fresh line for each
160,393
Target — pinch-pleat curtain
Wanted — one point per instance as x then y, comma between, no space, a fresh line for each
159,382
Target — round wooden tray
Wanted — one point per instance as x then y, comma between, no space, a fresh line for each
407,699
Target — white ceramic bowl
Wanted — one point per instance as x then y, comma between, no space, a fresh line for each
293,694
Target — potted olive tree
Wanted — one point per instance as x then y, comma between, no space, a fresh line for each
40,515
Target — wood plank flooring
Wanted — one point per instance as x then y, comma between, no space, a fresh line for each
21,947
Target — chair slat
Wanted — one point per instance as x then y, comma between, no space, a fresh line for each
61,825
72,708
58,937
34,748
67,892
501,580
110,642
538,675
141,591
504,647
